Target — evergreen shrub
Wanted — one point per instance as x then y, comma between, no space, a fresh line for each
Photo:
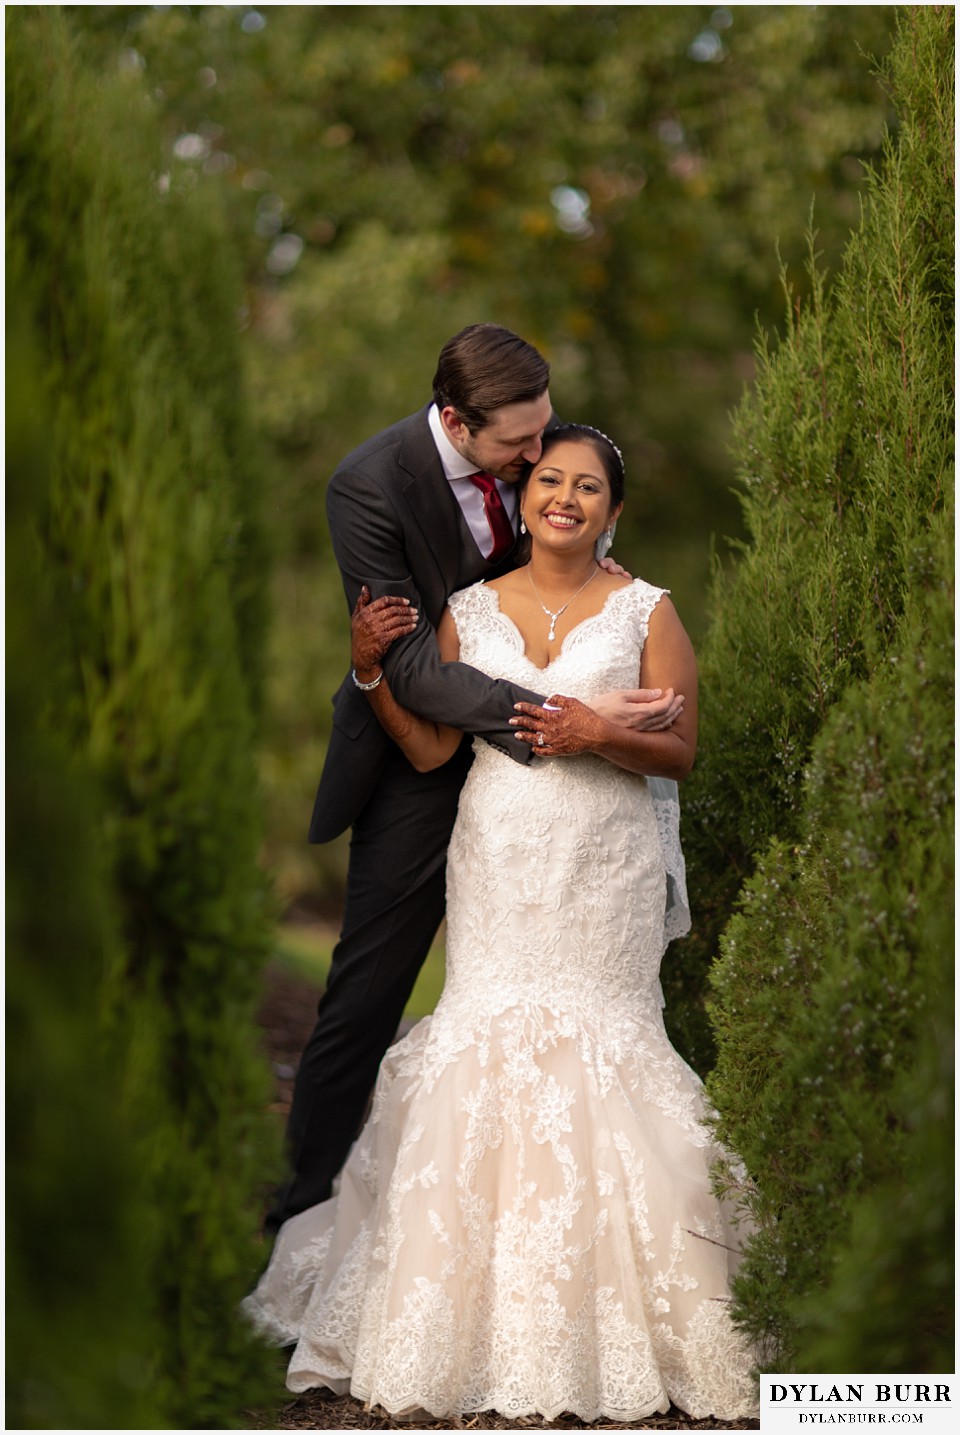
80,1227
829,995
843,446
822,805
152,566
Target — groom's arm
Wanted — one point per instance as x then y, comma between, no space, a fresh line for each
369,547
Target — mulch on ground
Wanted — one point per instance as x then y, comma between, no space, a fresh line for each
319,1410
286,1017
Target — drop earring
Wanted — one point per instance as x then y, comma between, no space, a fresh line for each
523,526
605,542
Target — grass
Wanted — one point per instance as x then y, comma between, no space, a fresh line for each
306,951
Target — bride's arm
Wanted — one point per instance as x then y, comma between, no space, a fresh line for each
373,627
569,727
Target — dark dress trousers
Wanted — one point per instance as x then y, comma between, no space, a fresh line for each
397,527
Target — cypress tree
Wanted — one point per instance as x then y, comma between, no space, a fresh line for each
823,804
152,580
79,1225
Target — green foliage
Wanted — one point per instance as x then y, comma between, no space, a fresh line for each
80,1225
833,978
152,562
610,181
890,1300
845,451
422,161
827,767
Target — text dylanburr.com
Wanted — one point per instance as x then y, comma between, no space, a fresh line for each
813,1402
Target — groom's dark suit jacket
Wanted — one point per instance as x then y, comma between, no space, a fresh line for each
397,527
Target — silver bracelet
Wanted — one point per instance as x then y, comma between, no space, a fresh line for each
366,687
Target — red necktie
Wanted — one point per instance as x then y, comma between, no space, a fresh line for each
500,526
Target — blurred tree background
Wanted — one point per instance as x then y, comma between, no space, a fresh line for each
612,182
138,916
819,818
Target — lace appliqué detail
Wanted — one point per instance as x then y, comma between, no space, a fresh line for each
626,614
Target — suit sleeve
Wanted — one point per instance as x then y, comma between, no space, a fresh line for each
369,548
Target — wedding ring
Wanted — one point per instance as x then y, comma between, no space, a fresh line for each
539,739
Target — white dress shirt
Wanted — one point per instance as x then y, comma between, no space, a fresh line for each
458,470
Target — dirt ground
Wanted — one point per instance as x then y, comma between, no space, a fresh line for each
286,1018
287,1012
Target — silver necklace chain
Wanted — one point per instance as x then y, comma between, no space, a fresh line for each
549,612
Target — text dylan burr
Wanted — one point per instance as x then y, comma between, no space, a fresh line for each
876,1394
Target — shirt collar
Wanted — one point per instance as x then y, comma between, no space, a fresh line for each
455,466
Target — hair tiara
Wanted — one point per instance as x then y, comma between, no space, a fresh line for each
590,428
601,434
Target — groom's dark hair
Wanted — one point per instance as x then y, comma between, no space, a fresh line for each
484,367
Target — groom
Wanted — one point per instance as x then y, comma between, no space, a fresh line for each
425,508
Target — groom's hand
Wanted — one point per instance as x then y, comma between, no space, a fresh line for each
610,565
642,709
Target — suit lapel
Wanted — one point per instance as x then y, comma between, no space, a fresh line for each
430,501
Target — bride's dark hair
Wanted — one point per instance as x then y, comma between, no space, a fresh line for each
605,449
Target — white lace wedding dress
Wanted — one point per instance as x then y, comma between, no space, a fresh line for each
526,1223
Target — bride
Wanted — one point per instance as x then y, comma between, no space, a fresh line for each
527,1222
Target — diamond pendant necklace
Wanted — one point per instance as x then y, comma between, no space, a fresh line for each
549,613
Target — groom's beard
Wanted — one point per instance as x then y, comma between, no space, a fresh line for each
511,472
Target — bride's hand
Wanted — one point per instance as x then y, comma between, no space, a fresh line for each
561,728
374,626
